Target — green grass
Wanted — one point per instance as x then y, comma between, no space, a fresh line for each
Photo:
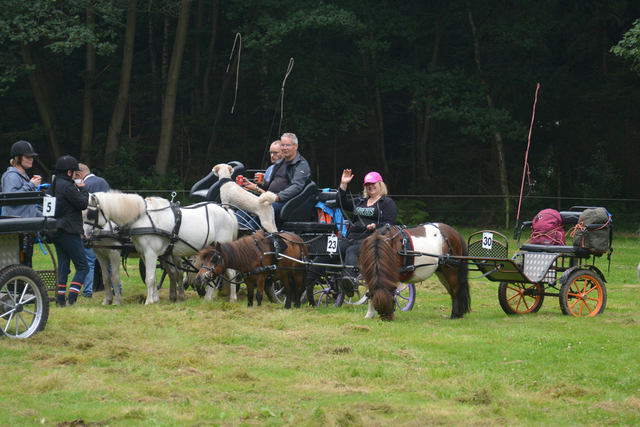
213,363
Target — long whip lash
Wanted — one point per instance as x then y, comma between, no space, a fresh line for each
238,40
526,171
280,104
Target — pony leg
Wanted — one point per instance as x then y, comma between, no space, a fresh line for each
231,274
250,285
106,279
177,272
150,261
371,311
114,258
260,288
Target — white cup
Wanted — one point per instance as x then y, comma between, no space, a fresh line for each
78,181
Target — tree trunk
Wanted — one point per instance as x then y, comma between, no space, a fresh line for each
497,137
169,105
43,99
165,51
120,109
152,60
374,113
87,103
197,98
425,146
212,42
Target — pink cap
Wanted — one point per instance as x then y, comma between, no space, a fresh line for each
372,178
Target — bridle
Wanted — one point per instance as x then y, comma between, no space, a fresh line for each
93,215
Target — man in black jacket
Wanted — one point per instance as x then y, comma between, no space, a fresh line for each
290,174
71,199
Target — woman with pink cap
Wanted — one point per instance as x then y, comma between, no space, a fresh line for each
371,211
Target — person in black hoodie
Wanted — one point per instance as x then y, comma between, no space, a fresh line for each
71,199
374,209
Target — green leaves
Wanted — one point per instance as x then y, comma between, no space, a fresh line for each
629,46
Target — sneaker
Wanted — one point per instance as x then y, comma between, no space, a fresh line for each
348,286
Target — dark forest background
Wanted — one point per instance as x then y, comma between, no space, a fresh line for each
435,95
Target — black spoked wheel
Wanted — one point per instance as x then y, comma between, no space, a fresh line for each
276,295
321,293
583,294
520,298
359,293
24,303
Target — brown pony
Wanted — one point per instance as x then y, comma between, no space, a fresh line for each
382,266
257,256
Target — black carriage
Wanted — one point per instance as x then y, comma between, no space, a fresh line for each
24,300
299,215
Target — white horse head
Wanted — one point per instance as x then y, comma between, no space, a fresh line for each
118,207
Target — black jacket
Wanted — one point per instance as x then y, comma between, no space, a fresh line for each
298,173
387,212
71,200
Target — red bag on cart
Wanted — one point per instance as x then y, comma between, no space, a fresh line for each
547,228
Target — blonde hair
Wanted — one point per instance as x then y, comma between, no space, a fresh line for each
383,190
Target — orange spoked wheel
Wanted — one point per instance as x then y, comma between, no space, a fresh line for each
520,298
583,294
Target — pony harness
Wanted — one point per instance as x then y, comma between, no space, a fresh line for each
408,257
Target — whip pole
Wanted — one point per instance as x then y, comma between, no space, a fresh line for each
275,113
526,171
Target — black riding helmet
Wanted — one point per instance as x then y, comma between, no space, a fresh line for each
66,163
22,148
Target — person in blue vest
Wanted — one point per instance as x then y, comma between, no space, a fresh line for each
93,184
371,211
71,199
15,179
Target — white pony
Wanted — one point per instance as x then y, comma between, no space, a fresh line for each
151,223
108,252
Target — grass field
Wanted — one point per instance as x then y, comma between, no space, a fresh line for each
218,364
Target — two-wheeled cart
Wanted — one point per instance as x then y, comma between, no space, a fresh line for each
537,271
24,302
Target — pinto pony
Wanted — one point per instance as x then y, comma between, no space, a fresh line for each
383,256
257,256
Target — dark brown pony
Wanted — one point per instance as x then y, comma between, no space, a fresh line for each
257,256
382,267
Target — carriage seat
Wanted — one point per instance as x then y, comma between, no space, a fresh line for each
14,224
556,249
300,208
208,188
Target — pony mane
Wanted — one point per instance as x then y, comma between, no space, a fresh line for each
379,269
242,254
157,203
121,208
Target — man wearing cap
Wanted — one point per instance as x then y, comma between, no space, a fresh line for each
373,210
71,199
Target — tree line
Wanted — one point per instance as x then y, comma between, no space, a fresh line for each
436,95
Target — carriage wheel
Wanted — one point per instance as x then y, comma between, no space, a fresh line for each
275,293
24,304
320,293
520,298
405,296
583,294
359,294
